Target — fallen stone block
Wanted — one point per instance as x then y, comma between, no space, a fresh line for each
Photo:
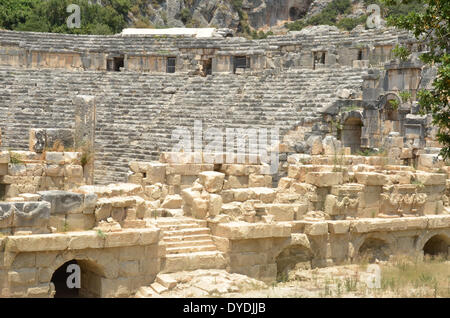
212,181
172,202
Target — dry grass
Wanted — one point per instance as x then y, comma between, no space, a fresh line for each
401,276
408,277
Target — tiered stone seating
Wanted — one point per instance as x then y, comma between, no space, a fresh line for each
137,113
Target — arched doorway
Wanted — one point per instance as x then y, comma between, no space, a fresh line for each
437,245
351,133
64,278
374,249
59,279
291,257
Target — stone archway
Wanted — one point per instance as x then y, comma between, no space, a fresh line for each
90,279
437,245
373,249
291,257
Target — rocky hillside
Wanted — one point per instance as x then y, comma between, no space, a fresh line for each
249,16
240,15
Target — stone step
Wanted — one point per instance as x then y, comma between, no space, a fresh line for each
190,249
166,281
165,221
187,243
199,230
192,261
187,238
175,227
158,288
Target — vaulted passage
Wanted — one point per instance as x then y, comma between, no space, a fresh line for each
60,278
438,245
373,249
89,278
292,257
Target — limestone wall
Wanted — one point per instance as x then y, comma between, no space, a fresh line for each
147,53
264,251
25,172
112,265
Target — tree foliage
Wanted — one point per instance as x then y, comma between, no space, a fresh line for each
51,16
334,14
432,27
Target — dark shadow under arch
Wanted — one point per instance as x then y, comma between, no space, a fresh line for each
437,245
90,280
374,249
291,256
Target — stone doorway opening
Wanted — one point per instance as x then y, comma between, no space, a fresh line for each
90,278
351,134
115,64
207,67
171,65
318,59
240,63
438,245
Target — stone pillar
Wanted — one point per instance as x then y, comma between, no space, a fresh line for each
85,118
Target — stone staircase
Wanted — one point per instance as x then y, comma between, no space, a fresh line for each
189,245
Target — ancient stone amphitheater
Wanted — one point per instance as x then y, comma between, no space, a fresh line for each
89,176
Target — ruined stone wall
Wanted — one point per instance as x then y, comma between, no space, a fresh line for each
23,172
149,53
114,265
